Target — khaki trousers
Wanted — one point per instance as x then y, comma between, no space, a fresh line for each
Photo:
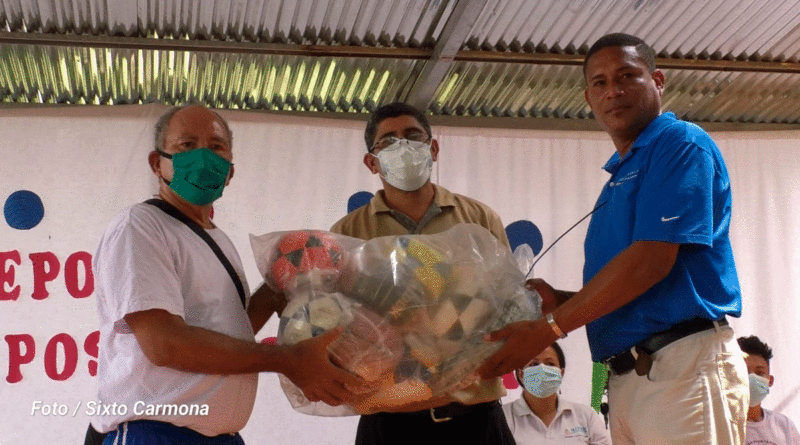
696,393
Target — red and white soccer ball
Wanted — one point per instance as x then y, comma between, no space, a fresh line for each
304,251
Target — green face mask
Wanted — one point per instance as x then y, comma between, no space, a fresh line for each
199,175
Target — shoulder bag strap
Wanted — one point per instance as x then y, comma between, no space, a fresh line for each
172,211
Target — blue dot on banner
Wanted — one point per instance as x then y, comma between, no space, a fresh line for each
357,200
23,210
524,232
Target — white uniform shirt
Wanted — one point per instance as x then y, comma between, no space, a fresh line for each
573,424
148,260
774,429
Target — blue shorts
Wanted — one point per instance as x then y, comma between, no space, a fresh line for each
151,432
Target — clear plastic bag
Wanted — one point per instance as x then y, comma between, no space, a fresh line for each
415,307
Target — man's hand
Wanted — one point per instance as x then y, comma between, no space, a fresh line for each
551,298
546,291
263,303
317,376
523,341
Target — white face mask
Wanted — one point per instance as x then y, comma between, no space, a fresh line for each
759,388
406,164
541,380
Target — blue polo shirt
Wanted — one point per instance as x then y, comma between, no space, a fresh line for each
671,186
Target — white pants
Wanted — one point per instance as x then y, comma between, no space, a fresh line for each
696,393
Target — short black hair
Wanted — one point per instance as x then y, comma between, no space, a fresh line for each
560,354
753,345
395,109
162,125
645,52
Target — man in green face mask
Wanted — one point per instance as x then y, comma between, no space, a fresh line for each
179,362
193,158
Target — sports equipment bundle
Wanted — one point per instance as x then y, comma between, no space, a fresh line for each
414,308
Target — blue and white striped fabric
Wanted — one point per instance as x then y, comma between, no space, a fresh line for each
150,432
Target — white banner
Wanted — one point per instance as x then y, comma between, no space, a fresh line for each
67,170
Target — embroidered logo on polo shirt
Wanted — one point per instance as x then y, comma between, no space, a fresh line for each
576,431
628,177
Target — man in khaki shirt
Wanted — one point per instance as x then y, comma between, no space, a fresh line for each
402,151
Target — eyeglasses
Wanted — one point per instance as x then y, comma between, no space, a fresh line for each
386,141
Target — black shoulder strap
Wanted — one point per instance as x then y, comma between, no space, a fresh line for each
172,211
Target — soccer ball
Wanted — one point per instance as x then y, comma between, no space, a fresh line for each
301,252
306,317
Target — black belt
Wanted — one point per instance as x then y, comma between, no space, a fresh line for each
625,361
448,412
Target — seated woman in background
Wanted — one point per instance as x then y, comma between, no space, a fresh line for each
540,416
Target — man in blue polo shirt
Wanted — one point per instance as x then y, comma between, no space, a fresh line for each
659,277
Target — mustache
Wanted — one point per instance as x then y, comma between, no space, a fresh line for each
616,106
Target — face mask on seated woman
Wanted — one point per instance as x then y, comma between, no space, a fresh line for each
541,380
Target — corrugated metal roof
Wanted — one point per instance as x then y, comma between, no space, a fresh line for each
725,61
